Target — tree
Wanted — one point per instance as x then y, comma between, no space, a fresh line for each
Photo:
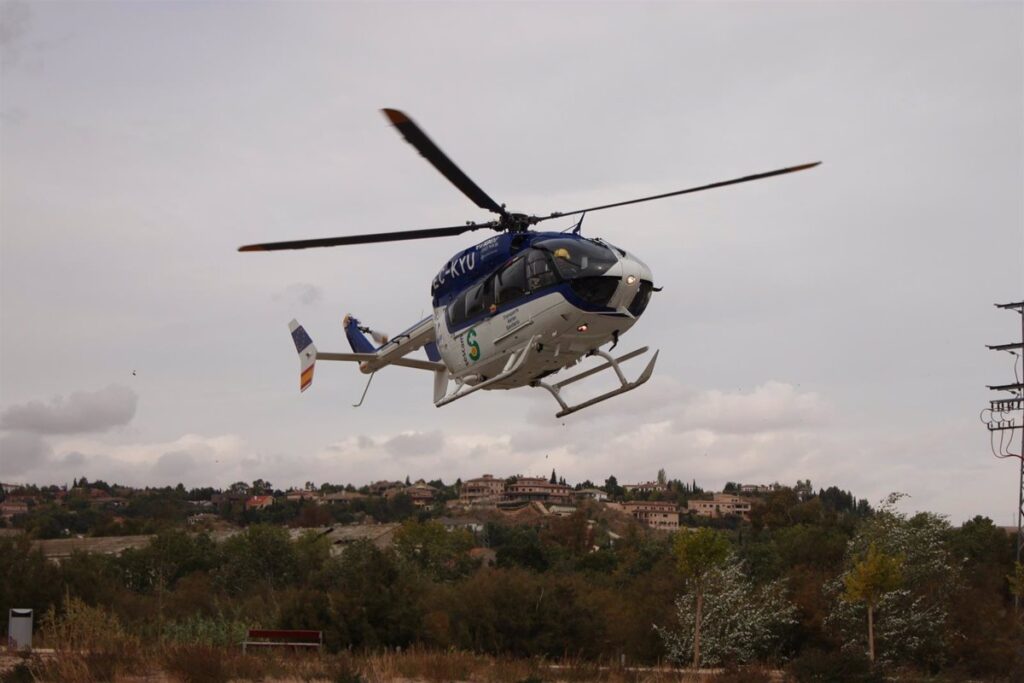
554,479
443,554
916,628
741,622
697,555
871,578
611,487
661,476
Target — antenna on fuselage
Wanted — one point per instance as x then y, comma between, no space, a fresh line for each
576,229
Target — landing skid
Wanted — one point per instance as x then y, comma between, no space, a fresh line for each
613,363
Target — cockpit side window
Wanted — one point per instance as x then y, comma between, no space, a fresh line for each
457,310
540,271
511,282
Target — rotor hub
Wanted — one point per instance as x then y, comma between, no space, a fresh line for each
515,222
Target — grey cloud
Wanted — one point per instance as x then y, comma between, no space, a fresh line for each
81,412
365,441
301,293
174,464
21,452
15,18
415,443
73,459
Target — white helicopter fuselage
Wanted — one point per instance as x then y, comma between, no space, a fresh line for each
559,332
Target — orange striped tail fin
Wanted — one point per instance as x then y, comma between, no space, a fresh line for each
307,354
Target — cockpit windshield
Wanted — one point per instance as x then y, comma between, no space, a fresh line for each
576,258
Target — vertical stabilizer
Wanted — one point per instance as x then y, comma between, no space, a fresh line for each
307,354
356,338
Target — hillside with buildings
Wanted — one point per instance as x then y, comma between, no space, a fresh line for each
98,509
530,568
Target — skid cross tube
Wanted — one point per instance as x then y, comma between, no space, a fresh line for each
613,363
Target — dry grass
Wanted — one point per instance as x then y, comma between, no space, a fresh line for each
90,645
197,663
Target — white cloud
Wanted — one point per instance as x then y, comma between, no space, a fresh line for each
773,406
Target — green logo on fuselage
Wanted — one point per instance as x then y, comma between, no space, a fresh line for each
474,347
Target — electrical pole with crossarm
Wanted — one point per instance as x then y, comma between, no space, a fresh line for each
1005,418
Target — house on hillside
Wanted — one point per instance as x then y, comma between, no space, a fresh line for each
591,494
453,523
655,514
296,495
485,491
536,489
59,549
343,497
341,537
421,493
384,487
720,505
645,487
561,510
259,502
759,488
10,508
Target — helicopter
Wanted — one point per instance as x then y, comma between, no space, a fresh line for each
513,310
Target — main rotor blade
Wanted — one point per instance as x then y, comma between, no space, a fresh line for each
368,239
415,136
735,181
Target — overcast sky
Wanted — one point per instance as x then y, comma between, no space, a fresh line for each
827,325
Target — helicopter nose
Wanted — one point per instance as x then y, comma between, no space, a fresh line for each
634,284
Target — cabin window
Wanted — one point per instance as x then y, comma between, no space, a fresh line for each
511,282
479,298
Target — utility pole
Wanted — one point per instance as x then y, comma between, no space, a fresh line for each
1005,417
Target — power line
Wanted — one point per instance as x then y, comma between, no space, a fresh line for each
1003,418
